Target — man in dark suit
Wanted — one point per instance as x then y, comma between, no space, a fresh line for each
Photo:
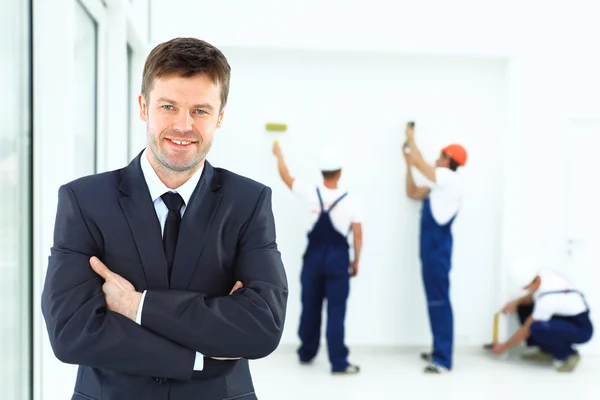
138,290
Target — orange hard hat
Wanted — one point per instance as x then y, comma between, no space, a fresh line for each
456,152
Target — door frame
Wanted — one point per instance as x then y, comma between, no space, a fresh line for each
568,261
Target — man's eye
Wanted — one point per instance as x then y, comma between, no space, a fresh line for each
200,112
167,107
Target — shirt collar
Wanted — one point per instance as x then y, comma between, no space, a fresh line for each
157,188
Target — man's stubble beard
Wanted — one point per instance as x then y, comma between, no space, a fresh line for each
171,168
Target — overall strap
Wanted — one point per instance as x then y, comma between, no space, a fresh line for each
337,201
564,292
320,200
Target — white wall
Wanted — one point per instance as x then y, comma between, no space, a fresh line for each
552,76
340,99
55,144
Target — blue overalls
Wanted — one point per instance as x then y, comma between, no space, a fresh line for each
325,274
558,335
436,254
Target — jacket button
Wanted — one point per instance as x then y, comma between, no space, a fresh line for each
160,380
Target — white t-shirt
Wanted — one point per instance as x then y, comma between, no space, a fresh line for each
446,195
559,304
342,216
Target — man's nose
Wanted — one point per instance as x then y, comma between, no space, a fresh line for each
184,121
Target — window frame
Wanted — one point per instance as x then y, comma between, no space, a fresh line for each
97,10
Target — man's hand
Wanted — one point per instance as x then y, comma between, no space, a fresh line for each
353,268
499,348
416,158
276,148
120,295
511,307
410,133
408,158
238,285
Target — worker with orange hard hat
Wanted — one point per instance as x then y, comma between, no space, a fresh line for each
441,201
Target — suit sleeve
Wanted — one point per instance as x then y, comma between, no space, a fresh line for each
249,323
81,329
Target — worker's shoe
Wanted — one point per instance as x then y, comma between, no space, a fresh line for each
306,361
427,357
569,364
536,354
434,368
350,370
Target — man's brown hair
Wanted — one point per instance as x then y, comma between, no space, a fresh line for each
330,174
186,57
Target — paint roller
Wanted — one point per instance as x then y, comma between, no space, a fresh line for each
277,128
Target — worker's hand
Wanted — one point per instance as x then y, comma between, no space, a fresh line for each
353,269
276,148
407,158
119,293
410,133
499,348
510,308
238,285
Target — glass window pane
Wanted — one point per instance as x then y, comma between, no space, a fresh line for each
15,201
86,73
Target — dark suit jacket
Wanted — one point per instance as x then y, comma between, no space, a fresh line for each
227,234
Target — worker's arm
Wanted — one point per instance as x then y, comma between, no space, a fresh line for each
284,173
80,326
527,299
511,307
417,158
412,190
357,235
419,162
519,336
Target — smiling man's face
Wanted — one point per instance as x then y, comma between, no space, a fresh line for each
182,115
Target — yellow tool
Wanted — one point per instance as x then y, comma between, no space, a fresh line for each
275,127
495,332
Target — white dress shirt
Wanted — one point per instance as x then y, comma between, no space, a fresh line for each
157,189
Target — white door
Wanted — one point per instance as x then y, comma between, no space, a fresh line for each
582,240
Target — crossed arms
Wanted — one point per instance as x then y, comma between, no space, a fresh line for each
176,324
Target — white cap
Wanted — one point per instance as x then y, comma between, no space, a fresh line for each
330,161
523,272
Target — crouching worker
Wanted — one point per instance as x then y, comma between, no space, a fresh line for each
554,317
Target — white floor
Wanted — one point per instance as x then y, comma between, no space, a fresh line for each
397,374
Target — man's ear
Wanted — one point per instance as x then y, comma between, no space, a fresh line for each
220,120
143,108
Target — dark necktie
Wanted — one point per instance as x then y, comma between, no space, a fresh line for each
173,201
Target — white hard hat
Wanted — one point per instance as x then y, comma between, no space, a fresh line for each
330,160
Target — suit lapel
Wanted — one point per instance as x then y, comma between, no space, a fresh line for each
195,227
143,222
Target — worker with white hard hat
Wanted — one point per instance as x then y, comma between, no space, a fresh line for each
554,317
326,268
441,198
